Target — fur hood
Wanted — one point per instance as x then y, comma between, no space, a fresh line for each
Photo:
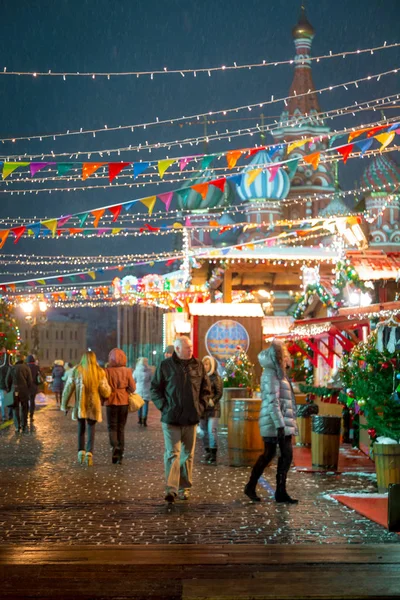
117,358
213,364
272,358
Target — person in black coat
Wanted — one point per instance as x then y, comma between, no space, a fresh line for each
209,422
36,380
19,381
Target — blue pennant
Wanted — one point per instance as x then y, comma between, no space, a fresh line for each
139,168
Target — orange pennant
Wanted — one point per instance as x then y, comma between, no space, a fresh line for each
312,159
201,188
232,158
12,287
355,134
89,168
150,203
97,216
3,237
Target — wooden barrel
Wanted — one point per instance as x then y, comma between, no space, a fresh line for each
229,392
325,442
245,443
387,463
304,413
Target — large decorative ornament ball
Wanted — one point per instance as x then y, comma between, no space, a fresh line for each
372,433
350,393
385,365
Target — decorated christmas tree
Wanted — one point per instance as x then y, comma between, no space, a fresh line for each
9,333
371,381
238,370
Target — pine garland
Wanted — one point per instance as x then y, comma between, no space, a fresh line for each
9,332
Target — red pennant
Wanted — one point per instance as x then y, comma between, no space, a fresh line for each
375,130
254,151
60,279
219,183
115,210
201,188
18,232
115,169
170,261
346,151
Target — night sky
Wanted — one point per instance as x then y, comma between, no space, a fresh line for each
99,35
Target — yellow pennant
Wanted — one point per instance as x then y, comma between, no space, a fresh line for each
92,274
9,167
52,225
164,164
298,144
84,293
385,139
177,226
149,202
252,175
115,230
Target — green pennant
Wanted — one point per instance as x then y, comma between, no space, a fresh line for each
206,162
292,167
63,168
83,218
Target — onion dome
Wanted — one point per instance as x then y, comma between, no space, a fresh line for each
335,207
227,237
381,171
262,188
303,29
189,199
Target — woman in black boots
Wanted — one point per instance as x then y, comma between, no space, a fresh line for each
277,422
210,420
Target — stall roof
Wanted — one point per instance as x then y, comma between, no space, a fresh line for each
375,264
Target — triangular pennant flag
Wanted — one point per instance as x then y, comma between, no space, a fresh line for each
232,157
92,274
9,167
201,188
166,198
37,166
18,232
35,227
84,292
297,144
129,205
45,232
102,231
164,164
3,237
385,139
312,159
184,161
236,179
345,151
355,134
364,145
292,167
219,183
89,168
60,279
116,230
62,220
12,287
206,161
97,215
375,130
254,151
273,172
115,168
74,230
115,210
41,281
139,167
394,127
149,203
252,175
63,168
52,225
82,219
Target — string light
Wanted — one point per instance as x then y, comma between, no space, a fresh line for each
194,72
236,109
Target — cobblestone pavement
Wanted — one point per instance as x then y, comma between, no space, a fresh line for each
47,497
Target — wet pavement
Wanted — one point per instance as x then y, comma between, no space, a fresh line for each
47,497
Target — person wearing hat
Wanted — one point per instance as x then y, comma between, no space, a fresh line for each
169,350
57,385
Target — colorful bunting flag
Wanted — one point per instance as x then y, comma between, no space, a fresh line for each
232,158
89,168
292,167
273,171
37,166
51,224
219,183
166,199
41,281
375,130
62,220
206,161
129,205
18,232
357,133
164,164
139,167
385,139
115,169
236,179
3,237
364,145
9,167
298,144
92,274
35,227
149,203
97,216
254,151
345,151
184,161
312,159
201,188
12,287
74,230
116,230
252,175
115,210
64,168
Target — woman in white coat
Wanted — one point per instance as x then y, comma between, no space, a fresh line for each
277,422
142,376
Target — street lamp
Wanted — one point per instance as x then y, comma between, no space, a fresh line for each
35,313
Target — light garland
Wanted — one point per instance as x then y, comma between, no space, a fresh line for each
345,85
195,72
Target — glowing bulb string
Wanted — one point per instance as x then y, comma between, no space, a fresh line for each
330,114
198,116
194,72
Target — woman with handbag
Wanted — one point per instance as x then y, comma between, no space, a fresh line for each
142,376
122,384
89,382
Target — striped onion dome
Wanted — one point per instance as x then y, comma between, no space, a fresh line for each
191,200
229,236
262,188
382,171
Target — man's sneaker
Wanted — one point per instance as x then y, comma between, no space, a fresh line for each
183,494
170,497
89,459
81,457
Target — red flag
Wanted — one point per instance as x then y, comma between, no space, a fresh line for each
115,210
254,151
115,169
18,232
346,151
375,130
219,183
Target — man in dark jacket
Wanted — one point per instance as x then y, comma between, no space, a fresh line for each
4,366
36,379
180,389
19,380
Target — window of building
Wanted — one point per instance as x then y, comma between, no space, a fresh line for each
76,353
71,335
62,352
61,335
47,353
56,352
56,334
76,335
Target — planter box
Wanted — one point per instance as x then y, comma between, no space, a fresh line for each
387,464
